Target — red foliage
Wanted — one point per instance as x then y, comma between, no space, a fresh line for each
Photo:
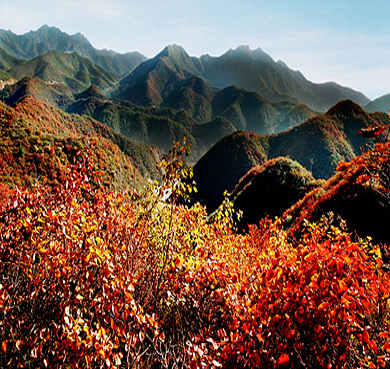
96,279
5,194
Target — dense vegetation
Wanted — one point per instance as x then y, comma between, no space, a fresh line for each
110,259
95,279
39,141
270,189
318,144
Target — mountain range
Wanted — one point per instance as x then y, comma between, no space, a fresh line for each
152,82
45,39
257,128
318,144
149,82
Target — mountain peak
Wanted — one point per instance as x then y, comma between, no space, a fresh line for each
173,50
46,28
346,108
92,91
247,52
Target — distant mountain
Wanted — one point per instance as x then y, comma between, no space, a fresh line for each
158,127
69,69
7,61
250,112
257,71
45,39
207,134
194,95
381,104
317,144
155,126
152,81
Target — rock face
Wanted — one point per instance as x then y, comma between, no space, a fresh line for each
8,82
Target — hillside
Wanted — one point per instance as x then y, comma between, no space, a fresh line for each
249,111
317,144
38,120
69,69
55,94
270,189
358,194
31,152
45,39
156,284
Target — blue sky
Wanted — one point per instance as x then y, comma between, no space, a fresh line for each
347,42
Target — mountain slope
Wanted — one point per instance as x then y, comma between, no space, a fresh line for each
50,120
55,94
317,144
45,39
352,197
257,71
250,112
152,81
381,104
70,69
35,148
270,189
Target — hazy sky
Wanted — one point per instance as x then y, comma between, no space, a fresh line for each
347,42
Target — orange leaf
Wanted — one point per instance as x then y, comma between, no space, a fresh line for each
366,337
309,257
88,258
343,287
4,346
283,360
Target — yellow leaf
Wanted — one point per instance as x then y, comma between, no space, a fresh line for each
88,258
343,287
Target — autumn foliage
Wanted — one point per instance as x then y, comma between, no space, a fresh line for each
95,279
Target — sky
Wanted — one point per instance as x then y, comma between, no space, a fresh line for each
347,42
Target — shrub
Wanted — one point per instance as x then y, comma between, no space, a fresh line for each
95,279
